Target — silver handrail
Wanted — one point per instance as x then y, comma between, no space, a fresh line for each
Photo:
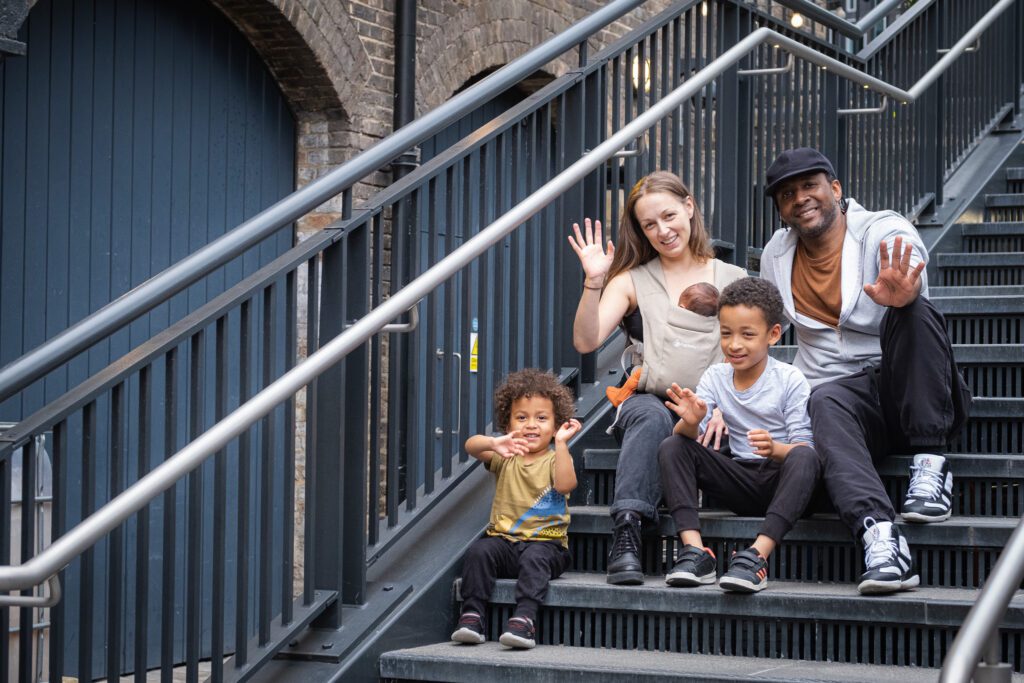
81,537
21,372
847,28
976,633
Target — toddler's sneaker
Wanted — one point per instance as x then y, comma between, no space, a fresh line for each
887,559
470,630
747,573
519,633
930,493
694,566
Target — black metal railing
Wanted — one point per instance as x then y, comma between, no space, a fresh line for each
380,433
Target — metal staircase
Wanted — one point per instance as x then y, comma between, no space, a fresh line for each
810,624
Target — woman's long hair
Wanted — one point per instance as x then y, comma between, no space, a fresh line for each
633,248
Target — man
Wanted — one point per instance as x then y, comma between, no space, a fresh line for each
875,351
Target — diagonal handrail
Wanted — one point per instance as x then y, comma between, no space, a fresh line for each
21,372
87,532
986,613
850,29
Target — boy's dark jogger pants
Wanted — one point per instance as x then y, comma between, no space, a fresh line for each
532,563
913,402
779,491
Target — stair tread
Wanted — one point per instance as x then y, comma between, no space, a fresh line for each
1010,258
820,528
963,353
998,199
928,605
992,228
493,662
940,291
1015,173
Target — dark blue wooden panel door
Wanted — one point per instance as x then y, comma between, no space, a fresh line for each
133,133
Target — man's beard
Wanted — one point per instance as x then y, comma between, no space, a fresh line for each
828,217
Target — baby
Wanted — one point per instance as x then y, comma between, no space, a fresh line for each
702,299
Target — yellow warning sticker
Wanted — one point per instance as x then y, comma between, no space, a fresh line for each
474,352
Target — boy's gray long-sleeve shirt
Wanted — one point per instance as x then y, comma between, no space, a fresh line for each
777,402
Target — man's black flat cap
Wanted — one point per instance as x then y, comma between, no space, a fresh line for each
795,162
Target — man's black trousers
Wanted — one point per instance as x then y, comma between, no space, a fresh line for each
913,402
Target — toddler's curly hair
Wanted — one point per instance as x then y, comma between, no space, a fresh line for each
529,383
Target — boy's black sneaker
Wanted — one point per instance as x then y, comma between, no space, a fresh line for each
693,567
930,494
624,568
747,573
470,629
519,633
889,566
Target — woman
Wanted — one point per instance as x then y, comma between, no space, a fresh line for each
663,249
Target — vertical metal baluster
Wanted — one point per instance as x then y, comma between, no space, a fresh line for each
86,587
416,416
552,257
6,522
142,529
288,455
312,343
470,203
434,355
242,562
115,547
29,455
218,594
58,520
448,325
532,306
268,437
376,379
194,531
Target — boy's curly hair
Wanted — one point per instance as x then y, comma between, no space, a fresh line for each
755,293
529,383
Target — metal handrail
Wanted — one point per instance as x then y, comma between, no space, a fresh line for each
986,613
87,532
849,29
21,372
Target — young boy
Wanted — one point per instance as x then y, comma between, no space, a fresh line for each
527,533
772,472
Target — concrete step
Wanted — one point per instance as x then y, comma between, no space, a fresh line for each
980,269
992,237
1015,174
959,552
965,354
566,664
1004,199
980,305
984,485
1007,290
789,620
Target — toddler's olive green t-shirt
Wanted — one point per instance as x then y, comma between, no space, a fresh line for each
526,505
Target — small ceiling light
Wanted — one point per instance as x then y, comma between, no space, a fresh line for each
797,20
636,74
704,9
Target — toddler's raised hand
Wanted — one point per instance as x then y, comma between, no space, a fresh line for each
568,430
509,445
690,408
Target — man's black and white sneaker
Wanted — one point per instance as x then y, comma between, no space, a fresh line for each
519,633
747,573
470,629
887,559
693,567
930,493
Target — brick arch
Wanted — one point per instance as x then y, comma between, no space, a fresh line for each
310,46
480,38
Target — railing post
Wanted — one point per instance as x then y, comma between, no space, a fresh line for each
834,132
931,110
585,107
735,176
1018,62
341,446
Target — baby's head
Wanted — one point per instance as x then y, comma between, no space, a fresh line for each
535,403
750,317
701,298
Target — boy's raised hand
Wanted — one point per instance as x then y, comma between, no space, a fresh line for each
764,445
690,408
567,431
509,445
